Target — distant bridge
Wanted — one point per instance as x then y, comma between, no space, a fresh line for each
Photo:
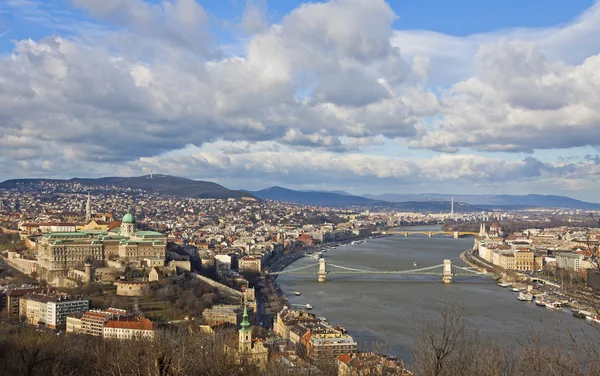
454,234
322,269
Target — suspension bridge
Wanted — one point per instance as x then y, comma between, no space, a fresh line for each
454,234
322,269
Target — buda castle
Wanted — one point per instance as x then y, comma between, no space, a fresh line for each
58,252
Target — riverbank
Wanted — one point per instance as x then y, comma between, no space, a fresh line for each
575,299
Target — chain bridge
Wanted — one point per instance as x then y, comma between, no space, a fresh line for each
322,269
454,234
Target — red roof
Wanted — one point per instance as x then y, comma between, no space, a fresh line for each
140,323
345,358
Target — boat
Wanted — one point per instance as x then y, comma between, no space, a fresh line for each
322,318
582,314
554,305
414,264
541,302
308,306
525,297
297,293
503,284
594,319
514,289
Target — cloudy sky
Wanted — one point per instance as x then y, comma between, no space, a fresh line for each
369,96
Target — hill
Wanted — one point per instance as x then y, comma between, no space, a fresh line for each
165,184
312,198
489,201
320,198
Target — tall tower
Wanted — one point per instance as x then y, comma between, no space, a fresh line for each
245,334
452,208
88,209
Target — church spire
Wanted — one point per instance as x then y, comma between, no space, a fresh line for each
245,325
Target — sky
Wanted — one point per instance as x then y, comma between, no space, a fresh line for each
366,96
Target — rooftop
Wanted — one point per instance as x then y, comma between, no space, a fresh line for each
132,322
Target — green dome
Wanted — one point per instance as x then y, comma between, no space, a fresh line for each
128,218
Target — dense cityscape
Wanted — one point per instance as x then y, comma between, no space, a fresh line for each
124,265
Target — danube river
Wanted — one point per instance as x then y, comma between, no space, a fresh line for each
389,309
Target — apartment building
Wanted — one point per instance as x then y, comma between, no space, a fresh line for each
50,310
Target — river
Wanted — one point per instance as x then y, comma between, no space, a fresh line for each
389,310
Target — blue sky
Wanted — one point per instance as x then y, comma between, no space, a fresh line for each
404,96
458,18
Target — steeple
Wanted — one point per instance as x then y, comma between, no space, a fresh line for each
245,325
88,209
245,334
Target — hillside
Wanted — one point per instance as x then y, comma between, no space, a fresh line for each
312,198
166,184
319,198
531,200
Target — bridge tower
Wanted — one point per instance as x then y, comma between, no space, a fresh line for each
447,271
322,274
430,234
456,234
406,234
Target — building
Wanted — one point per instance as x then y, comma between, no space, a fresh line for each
524,260
593,279
364,364
60,251
569,261
507,260
324,342
131,288
286,319
50,310
74,324
246,349
224,313
132,327
10,298
92,322
223,262
249,264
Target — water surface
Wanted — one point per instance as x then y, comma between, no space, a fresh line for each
390,309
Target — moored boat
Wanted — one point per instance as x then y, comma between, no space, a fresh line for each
582,314
540,301
514,289
594,319
297,293
526,297
308,306
503,284
554,305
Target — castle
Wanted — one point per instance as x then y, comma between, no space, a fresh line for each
60,252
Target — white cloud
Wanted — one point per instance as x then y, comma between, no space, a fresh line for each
520,101
320,85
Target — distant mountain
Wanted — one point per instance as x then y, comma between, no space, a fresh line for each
344,200
338,192
166,184
312,198
532,200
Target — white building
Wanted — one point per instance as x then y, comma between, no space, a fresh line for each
129,328
223,262
571,261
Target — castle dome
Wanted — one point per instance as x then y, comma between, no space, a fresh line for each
128,218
